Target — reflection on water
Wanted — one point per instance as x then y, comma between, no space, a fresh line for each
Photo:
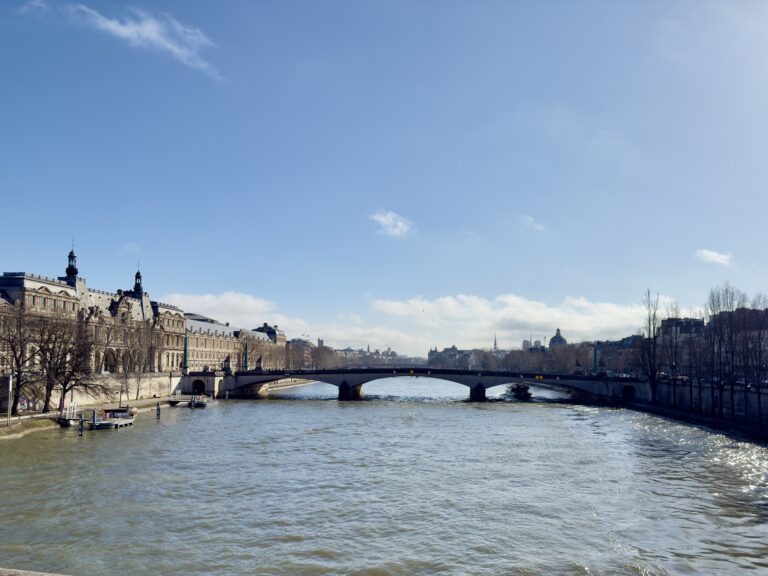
412,481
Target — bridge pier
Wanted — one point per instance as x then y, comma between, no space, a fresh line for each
477,393
347,392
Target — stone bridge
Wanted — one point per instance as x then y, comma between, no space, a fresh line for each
256,384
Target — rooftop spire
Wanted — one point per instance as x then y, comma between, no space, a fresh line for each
71,267
137,285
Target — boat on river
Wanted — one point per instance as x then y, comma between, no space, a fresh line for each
519,391
198,402
112,418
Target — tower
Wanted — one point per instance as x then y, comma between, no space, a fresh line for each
137,284
71,271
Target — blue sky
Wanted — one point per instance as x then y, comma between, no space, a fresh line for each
403,174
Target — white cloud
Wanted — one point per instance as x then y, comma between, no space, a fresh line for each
241,310
530,223
413,326
469,321
34,7
392,224
712,257
246,311
142,29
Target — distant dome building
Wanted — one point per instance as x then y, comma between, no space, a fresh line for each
557,340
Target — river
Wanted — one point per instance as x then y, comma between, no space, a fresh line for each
413,480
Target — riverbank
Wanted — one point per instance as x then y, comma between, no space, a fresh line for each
27,424
21,426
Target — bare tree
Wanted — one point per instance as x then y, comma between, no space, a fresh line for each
139,347
54,340
17,339
650,341
76,373
324,358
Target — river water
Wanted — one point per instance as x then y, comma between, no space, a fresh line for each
411,481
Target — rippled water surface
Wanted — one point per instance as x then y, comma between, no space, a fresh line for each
410,481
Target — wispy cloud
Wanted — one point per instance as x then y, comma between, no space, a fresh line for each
712,257
132,248
392,224
34,7
468,320
530,223
140,29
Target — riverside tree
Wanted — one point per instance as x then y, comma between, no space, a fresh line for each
16,344
65,350
650,347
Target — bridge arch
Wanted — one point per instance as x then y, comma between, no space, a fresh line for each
350,381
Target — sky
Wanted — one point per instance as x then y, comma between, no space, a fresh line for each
403,174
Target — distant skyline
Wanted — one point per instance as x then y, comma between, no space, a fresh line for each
403,174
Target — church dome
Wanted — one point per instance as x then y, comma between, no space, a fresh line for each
557,340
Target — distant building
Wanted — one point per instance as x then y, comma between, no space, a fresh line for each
676,339
298,354
275,334
557,340
617,356
449,358
212,345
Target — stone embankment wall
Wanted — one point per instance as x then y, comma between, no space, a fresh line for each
736,403
152,385
729,406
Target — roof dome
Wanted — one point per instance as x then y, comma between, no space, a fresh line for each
557,340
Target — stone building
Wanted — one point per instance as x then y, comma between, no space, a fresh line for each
557,340
120,322
449,358
213,346
298,354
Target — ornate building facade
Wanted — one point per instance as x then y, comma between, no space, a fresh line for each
213,346
120,322
133,333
